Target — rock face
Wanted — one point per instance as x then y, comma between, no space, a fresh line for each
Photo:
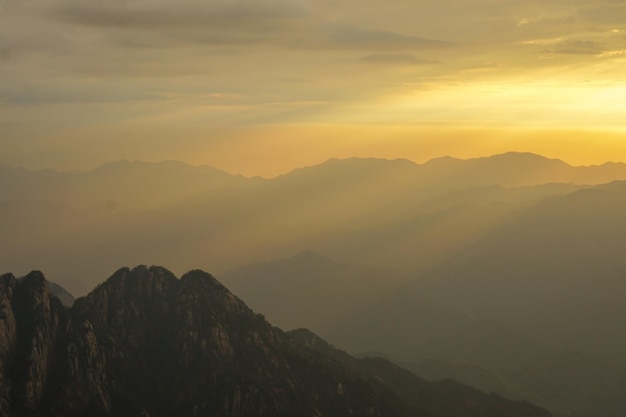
32,332
146,343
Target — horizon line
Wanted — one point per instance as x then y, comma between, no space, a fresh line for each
291,170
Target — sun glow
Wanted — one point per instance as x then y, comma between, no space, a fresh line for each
584,105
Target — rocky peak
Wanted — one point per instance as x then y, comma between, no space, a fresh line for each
32,322
8,338
145,343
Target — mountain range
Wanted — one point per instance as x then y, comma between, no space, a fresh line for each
145,343
185,216
505,272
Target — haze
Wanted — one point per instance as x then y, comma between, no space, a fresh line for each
262,87
442,183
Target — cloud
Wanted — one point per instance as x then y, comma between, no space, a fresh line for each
394,58
41,94
618,53
353,37
576,47
273,22
243,16
170,24
604,13
134,56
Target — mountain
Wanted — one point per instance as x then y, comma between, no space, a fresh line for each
308,289
394,213
535,298
126,183
556,271
553,270
144,185
514,169
591,386
511,169
442,396
145,343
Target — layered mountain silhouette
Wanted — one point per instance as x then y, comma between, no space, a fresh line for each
505,272
148,185
517,305
131,184
185,216
145,343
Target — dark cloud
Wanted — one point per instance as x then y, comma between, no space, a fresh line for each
394,58
42,94
207,23
247,16
360,38
577,47
279,23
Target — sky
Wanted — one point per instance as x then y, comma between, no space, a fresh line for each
262,86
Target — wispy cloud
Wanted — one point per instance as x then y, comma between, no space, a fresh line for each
282,61
394,59
577,47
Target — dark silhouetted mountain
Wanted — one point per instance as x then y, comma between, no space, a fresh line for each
145,343
443,398
32,333
511,258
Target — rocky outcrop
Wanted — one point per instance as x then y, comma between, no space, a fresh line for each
146,343
32,326
8,340
189,347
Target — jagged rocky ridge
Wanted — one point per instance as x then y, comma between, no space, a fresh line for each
145,343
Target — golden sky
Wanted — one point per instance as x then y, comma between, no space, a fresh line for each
262,86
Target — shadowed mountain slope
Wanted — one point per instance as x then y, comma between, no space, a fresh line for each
145,343
308,289
548,281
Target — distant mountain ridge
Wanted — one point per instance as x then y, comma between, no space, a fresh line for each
132,184
507,169
145,343
171,212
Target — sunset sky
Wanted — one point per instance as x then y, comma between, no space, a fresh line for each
261,86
